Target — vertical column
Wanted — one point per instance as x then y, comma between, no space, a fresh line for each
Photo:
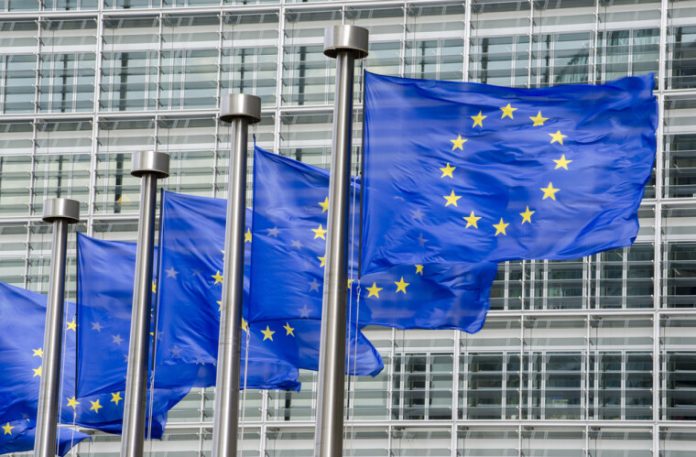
149,166
345,43
239,110
60,212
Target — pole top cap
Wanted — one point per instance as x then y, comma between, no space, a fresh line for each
55,209
234,106
346,38
150,162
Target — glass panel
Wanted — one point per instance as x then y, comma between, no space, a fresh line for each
250,55
308,76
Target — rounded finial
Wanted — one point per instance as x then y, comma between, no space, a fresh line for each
240,105
150,162
61,208
346,38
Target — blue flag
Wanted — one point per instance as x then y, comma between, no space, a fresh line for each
105,271
105,278
192,240
22,317
290,227
471,172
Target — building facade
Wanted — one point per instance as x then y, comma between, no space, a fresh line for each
588,358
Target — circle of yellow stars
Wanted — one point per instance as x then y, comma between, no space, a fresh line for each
447,172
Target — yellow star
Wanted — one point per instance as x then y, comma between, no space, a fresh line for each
527,215
401,285
95,406
458,143
154,287
324,205
245,325
472,220
319,232
37,371
562,162
538,119
288,329
267,334
451,199
72,403
500,227
322,261
557,137
7,428
419,269
447,171
373,290
350,283
507,111
219,303
116,397
478,119
217,277
72,325
247,236
37,352
549,191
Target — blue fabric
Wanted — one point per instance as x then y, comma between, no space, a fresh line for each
105,282
574,158
105,271
19,395
290,219
192,240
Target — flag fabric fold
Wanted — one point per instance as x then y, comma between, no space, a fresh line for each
192,241
289,229
105,275
472,172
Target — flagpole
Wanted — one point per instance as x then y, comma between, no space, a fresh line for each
239,110
60,212
345,43
149,166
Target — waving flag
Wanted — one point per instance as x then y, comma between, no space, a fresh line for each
290,227
470,172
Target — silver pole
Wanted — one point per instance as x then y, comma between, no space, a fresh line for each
150,166
240,110
60,212
345,43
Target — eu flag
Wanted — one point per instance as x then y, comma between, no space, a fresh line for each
105,293
290,227
22,317
192,241
471,172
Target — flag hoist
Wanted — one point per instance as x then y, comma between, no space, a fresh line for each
60,212
345,43
239,110
149,166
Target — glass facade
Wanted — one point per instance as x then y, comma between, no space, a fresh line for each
592,357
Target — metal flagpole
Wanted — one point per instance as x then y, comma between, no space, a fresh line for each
345,43
150,166
240,110
60,212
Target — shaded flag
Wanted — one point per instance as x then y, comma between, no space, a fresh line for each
19,436
470,172
22,317
191,262
105,291
290,228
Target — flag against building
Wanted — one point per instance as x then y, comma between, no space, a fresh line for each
22,320
105,293
469,172
192,242
290,228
